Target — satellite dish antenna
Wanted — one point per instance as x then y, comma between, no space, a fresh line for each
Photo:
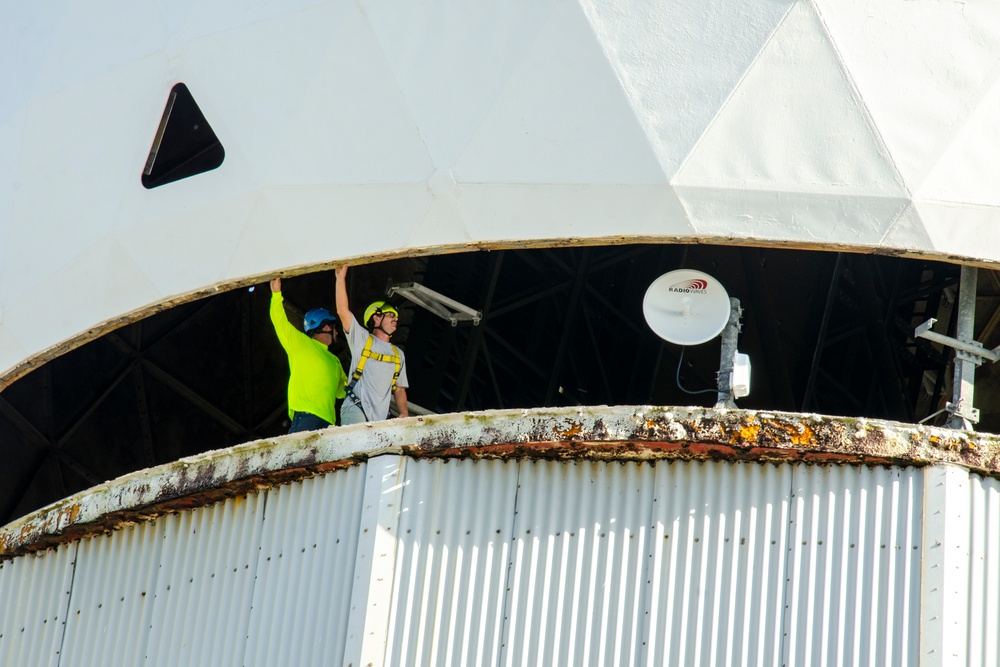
686,307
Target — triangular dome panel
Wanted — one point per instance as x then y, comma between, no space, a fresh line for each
440,226
10,157
86,45
311,225
794,124
115,282
54,222
527,212
961,230
189,249
921,68
809,218
450,88
679,62
348,124
967,170
327,122
562,118
11,351
907,232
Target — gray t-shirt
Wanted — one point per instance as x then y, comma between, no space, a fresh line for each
375,386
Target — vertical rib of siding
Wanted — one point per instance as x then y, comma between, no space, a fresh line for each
945,572
112,601
579,543
302,596
371,590
34,595
717,562
984,572
853,589
201,605
451,563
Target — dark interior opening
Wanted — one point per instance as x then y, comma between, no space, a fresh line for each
826,333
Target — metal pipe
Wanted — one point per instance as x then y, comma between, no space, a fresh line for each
963,414
729,344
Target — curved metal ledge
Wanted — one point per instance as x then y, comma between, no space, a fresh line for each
625,433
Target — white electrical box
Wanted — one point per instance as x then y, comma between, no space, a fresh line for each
739,381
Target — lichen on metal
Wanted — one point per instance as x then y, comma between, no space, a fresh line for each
598,433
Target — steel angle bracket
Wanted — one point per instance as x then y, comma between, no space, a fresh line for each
437,303
972,351
968,355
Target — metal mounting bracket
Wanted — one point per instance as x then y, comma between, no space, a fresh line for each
968,353
437,303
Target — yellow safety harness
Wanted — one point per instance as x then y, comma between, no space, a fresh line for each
367,354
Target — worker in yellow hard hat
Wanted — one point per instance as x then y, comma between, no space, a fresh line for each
378,368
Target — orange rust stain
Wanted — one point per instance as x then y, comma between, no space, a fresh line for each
805,436
800,434
575,429
749,432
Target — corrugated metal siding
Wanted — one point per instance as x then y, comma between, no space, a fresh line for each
301,602
451,563
203,590
717,564
579,552
514,563
34,595
984,572
113,598
854,566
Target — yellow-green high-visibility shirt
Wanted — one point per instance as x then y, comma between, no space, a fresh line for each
316,378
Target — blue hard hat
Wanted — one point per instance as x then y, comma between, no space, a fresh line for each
315,318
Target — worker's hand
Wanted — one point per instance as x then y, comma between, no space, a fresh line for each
276,285
341,272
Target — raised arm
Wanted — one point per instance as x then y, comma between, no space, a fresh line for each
343,308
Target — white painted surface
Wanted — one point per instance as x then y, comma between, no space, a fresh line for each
818,122
452,563
984,572
34,597
371,592
506,563
854,557
945,589
305,571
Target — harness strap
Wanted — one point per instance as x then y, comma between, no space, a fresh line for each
367,354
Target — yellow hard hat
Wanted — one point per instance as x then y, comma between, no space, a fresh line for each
379,308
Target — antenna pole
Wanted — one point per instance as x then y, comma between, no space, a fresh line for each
729,345
963,414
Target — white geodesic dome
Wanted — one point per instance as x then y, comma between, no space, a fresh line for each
365,129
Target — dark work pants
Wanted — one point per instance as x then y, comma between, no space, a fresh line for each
305,421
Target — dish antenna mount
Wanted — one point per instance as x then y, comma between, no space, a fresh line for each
688,307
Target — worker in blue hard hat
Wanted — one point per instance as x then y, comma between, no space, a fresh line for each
316,377
378,368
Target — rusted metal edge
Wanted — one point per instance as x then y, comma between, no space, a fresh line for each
619,433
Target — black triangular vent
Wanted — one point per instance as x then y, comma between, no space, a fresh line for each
185,144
